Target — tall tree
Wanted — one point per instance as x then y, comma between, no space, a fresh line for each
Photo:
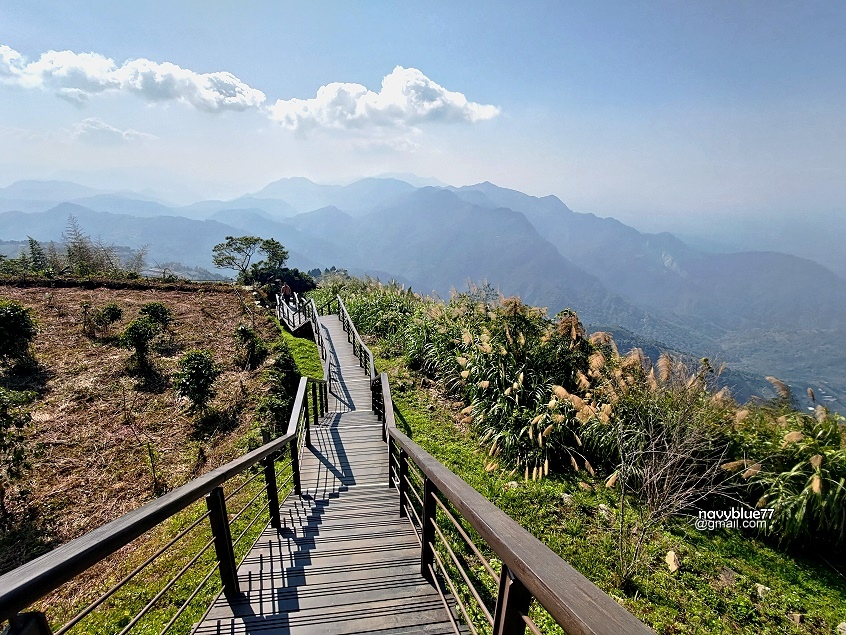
236,254
37,257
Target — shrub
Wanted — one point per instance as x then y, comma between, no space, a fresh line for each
12,441
158,313
138,335
94,320
802,476
254,351
283,374
274,410
195,378
283,378
110,313
17,330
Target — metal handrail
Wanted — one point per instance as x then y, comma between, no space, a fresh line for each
295,318
30,582
573,601
314,316
354,338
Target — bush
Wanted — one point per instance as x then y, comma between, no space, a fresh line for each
196,377
800,472
110,313
283,377
158,313
17,330
283,374
138,335
254,351
94,320
12,441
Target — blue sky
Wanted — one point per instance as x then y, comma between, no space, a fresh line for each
649,111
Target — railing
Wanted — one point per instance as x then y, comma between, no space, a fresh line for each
461,532
296,316
29,583
360,349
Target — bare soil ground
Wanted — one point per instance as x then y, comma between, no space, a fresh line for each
105,441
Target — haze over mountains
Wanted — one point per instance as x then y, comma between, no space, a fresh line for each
763,312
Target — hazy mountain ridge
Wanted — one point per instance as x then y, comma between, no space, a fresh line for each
360,196
760,311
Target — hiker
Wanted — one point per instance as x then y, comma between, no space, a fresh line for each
286,293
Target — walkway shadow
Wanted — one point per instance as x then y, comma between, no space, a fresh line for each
327,436
273,592
337,386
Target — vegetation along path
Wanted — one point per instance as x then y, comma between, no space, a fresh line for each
344,561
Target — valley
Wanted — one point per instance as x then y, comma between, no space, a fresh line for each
760,312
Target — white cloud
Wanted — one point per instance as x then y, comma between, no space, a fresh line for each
75,77
407,98
208,91
75,96
11,62
99,132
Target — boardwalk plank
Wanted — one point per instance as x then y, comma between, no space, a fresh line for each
344,562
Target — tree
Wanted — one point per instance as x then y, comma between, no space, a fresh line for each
195,378
80,252
237,254
84,257
37,257
17,330
138,335
158,313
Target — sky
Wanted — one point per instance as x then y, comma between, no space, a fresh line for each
653,112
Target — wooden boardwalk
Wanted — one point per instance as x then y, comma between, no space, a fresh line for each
344,561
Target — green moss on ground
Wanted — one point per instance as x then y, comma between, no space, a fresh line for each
714,591
305,353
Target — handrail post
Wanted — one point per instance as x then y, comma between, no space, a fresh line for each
392,469
295,466
29,623
272,491
402,477
216,503
306,425
375,389
314,404
512,604
427,557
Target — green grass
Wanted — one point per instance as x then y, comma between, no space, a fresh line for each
692,600
305,353
117,612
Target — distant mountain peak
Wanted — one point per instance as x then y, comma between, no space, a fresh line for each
48,190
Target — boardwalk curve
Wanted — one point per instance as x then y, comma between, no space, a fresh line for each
344,561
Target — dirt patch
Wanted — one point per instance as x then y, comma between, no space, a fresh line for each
107,441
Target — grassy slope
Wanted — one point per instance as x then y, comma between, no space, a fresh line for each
305,354
694,599
97,427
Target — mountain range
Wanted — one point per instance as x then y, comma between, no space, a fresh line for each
762,312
